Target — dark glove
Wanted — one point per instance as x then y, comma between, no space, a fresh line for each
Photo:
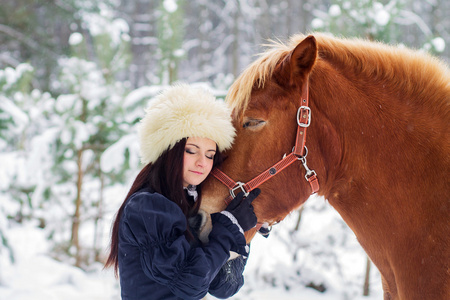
242,209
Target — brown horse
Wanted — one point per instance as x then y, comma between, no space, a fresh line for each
378,140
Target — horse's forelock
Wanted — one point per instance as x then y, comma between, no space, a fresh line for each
256,74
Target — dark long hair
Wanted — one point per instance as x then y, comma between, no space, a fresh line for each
164,176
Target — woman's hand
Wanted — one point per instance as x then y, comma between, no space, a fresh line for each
242,209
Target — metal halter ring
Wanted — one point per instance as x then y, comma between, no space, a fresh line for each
301,158
239,185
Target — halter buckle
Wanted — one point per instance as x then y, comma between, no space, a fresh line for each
239,185
300,115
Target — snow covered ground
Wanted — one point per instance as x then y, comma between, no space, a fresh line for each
36,276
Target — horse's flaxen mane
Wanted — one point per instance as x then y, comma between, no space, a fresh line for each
258,72
397,65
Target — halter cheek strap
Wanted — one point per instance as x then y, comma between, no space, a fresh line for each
299,152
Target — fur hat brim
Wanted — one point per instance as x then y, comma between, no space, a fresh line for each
180,112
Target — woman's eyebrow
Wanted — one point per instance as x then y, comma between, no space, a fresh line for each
190,144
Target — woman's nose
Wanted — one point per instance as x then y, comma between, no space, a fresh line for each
201,161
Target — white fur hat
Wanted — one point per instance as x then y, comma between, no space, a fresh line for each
180,112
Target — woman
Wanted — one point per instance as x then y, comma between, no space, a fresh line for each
153,247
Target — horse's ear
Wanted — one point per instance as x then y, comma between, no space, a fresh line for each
302,59
294,68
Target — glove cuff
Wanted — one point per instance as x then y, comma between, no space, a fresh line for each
233,220
238,242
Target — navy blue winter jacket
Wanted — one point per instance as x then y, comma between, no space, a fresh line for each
156,261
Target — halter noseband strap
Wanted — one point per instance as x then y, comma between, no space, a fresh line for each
299,152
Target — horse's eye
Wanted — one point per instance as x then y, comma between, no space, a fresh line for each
253,123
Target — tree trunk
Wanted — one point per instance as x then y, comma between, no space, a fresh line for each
76,218
297,225
98,224
366,288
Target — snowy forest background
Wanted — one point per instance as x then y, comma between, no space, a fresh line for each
75,76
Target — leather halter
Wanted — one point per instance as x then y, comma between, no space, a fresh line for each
299,152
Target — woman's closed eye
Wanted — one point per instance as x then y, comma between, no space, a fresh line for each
190,151
208,155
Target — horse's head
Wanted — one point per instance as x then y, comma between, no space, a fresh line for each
265,99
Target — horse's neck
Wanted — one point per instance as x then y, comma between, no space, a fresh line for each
368,143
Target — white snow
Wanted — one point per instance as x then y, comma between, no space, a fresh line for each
335,10
170,5
75,38
113,157
141,93
37,276
19,117
66,102
382,17
317,23
179,52
8,164
12,75
438,44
